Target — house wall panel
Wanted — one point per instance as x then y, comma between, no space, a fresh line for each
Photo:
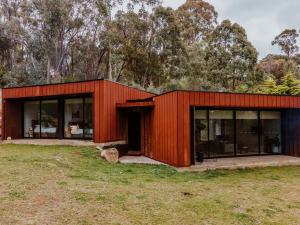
188,99
106,95
13,119
164,128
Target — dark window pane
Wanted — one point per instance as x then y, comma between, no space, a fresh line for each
201,133
221,133
74,124
271,132
247,132
88,118
49,122
32,119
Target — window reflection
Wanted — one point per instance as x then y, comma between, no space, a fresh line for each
247,132
201,133
74,118
221,133
88,117
271,132
32,119
49,119
218,133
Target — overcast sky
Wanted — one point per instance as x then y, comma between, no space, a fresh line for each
262,19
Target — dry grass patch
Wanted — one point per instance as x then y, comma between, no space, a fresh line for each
69,185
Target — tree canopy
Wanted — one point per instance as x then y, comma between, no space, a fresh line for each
140,43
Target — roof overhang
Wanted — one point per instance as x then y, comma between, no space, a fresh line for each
148,104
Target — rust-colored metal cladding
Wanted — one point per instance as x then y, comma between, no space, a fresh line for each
105,96
171,120
161,130
164,121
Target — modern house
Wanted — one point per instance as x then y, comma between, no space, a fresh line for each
178,128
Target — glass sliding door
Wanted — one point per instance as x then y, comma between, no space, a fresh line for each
221,133
31,119
226,133
270,132
73,118
88,118
201,133
247,132
49,119
59,118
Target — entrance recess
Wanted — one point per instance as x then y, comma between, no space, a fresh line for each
134,131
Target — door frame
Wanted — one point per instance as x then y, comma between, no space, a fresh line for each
139,119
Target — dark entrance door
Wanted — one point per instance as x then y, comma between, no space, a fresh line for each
134,131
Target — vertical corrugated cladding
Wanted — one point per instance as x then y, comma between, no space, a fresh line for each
50,90
146,132
183,108
13,119
116,93
291,132
98,99
188,99
164,126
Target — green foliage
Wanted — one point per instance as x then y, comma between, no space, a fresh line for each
231,57
279,65
197,19
140,43
290,86
287,41
269,87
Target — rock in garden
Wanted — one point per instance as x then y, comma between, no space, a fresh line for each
111,155
100,149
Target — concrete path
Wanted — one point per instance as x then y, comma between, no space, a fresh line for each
49,142
67,142
244,162
138,160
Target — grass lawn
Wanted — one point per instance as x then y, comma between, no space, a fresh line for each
69,185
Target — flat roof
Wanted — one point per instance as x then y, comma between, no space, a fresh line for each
41,85
155,95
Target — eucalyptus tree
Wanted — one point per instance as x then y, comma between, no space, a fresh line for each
287,41
198,18
55,25
231,57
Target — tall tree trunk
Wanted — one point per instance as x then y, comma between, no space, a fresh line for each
233,84
109,70
109,66
48,69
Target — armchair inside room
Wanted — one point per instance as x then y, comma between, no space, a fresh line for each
74,130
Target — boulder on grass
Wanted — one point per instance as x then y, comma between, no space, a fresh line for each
111,155
9,138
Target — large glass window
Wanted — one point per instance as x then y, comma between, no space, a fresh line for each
270,132
49,119
247,132
88,118
44,118
32,119
201,133
74,123
221,133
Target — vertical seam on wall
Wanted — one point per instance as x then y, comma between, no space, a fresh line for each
177,99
